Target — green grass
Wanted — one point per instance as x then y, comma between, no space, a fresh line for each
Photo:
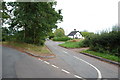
65,38
103,55
38,50
70,44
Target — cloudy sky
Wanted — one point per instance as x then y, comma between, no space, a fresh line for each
90,15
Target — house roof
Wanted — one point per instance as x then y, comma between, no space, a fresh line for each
72,33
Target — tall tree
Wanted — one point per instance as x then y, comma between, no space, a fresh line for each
35,19
59,32
4,16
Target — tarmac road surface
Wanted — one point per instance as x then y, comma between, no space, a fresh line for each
81,65
20,65
67,64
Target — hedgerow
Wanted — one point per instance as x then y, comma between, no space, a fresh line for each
61,38
106,42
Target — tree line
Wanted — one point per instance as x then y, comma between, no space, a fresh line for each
30,22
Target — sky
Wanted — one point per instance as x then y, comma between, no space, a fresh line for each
90,15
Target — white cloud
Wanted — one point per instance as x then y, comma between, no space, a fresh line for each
91,15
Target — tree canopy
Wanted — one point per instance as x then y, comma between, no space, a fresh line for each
59,32
31,22
86,33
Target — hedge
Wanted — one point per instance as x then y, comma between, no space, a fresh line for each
104,42
61,38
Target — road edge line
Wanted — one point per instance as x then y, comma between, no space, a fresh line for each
98,71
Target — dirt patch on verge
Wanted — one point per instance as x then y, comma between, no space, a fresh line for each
78,49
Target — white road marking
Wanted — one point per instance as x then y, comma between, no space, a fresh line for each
55,66
40,59
46,62
98,71
65,71
58,67
65,52
77,76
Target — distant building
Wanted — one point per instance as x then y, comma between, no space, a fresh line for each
75,34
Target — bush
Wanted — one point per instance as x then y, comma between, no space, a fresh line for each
81,43
61,38
104,42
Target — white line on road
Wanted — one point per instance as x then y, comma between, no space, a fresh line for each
65,52
46,62
40,59
98,71
55,66
77,76
61,69
65,71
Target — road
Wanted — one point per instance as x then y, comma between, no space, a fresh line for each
81,65
20,65
67,64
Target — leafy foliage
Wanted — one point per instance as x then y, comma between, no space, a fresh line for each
86,34
59,32
32,22
65,38
104,42
4,12
59,35
51,35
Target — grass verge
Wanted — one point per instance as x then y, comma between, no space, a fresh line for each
103,55
37,50
70,44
